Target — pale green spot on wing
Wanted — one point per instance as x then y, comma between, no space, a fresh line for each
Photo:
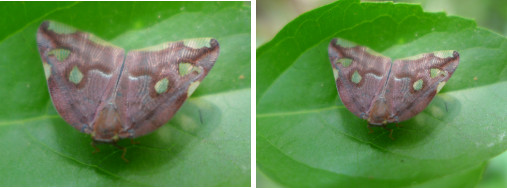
416,57
197,69
418,84
192,88
156,47
47,70
434,73
356,78
444,53
335,73
345,43
197,43
60,54
192,43
162,85
437,72
440,86
61,28
373,52
185,68
100,41
75,75
345,62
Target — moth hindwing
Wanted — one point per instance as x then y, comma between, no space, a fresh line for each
382,91
102,90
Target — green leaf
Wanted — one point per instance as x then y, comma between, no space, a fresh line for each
496,173
307,138
207,143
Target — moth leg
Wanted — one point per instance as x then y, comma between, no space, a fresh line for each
369,128
122,148
95,146
390,131
133,142
398,125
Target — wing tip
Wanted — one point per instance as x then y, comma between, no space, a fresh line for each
455,54
214,43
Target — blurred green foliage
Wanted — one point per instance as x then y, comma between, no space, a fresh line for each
272,15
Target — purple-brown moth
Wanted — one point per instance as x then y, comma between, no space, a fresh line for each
102,90
381,90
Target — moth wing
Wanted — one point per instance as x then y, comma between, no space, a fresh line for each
157,80
81,70
360,74
414,81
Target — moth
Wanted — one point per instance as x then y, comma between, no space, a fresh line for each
102,90
382,91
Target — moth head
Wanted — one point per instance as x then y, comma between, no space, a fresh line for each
107,124
379,112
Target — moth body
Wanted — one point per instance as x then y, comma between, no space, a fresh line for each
379,112
107,126
380,90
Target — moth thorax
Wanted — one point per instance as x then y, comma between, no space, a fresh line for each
107,125
379,112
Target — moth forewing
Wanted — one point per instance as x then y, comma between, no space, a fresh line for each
80,73
361,76
416,81
173,73
375,88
